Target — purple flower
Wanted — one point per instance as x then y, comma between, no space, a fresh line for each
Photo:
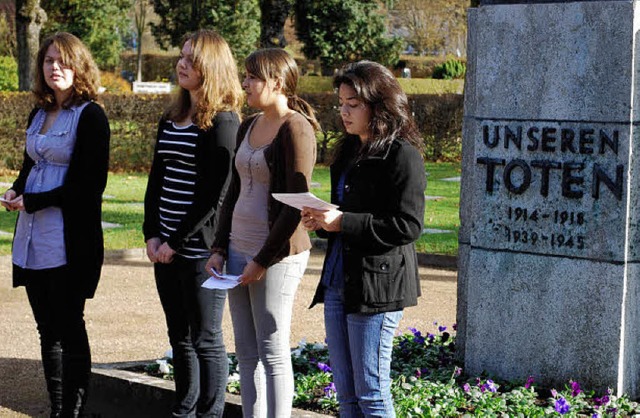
554,393
455,327
488,386
602,401
442,328
466,387
414,331
330,390
562,406
457,371
529,382
324,367
596,415
431,337
420,372
575,388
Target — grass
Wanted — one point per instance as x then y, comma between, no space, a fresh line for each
124,197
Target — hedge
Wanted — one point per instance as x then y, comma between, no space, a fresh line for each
133,119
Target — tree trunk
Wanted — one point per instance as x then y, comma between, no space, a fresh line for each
30,18
274,14
141,23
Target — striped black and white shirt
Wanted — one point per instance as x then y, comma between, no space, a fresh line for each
188,178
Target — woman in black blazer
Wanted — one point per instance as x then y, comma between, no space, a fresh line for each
370,272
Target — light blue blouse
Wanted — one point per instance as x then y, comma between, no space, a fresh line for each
39,238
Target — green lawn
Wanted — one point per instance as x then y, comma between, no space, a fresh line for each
125,194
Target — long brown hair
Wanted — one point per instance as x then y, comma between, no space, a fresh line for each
219,89
391,116
276,63
76,56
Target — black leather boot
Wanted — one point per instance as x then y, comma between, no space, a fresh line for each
73,402
52,365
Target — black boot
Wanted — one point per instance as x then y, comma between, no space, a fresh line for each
52,365
73,403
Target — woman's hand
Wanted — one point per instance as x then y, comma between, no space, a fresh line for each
329,220
152,249
165,254
11,202
215,263
308,222
252,273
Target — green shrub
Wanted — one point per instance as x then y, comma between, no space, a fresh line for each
8,74
450,69
134,118
318,84
421,66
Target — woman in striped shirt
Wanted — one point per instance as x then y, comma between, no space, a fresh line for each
189,177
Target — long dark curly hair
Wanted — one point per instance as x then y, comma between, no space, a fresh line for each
391,116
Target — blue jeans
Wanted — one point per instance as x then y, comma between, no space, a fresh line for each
360,347
261,316
194,322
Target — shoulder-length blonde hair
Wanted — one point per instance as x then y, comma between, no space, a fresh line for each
76,56
219,89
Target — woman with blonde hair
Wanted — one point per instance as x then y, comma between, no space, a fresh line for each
261,238
57,246
189,177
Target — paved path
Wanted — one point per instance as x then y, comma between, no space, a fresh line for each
125,323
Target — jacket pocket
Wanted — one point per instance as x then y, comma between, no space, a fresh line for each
383,279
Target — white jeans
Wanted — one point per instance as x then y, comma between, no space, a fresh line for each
261,316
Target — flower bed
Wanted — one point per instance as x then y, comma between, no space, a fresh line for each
427,382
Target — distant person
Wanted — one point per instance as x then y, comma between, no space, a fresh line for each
57,246
261,238
189,177
370,271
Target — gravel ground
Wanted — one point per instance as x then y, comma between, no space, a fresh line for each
125,323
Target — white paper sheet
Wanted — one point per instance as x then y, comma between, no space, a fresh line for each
298,200
221,281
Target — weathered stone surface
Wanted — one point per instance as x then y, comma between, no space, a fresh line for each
548,261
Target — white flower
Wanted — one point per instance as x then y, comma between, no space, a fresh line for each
235,377
164,366
169,353
302,343
297,352
319,346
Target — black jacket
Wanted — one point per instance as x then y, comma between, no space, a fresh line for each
383,212
80,198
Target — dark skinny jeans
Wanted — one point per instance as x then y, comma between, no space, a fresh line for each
194,322
58,309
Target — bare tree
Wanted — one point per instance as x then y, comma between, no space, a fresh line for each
30,18
140,17
432,26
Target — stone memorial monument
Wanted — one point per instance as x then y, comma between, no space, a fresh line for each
549,280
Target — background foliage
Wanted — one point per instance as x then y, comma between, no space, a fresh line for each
341,31
8,74
432,26
101,24
134,117
238,21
